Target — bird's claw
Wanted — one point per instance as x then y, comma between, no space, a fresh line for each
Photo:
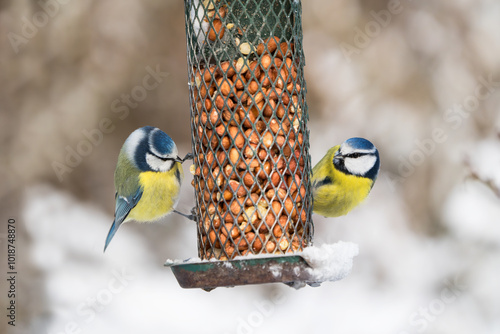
192,216
188,156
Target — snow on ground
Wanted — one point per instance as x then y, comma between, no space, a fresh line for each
400,282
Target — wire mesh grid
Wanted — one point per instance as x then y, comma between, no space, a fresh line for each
249,127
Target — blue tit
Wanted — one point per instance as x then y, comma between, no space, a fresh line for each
148,178
344,177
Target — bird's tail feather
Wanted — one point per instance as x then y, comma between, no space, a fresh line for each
111,233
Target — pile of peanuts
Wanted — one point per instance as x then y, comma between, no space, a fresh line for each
249,146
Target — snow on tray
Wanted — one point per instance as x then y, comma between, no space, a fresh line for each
330,262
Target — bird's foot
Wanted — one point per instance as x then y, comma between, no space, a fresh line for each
188,156
190,217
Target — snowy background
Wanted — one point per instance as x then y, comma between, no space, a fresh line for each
420,79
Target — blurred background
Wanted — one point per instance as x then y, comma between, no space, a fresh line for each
419,79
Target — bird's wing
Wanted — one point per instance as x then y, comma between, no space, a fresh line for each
126,203
123,206
322,173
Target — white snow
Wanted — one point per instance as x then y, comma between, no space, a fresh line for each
330,262
472,210
170,262
397,273
228,264
485,160
275,270
472,213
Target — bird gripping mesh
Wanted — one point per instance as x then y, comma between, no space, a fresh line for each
249,127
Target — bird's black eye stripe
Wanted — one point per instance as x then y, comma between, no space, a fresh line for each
163,159
355,155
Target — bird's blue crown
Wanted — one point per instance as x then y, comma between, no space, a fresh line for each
160,142
360,143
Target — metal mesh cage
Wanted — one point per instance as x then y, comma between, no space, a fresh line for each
249,127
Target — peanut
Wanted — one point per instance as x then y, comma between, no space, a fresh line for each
217,29
265,61
284,244
277,231
248,180
253,86
237,188
234,156
225,86
267,140
270,43
226,67
241,65
270,246
235,207
245,48
257,244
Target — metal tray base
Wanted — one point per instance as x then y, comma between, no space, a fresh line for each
209,275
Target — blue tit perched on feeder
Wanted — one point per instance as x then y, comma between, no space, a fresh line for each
148,178
344,177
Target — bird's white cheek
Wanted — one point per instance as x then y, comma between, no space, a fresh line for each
166,166
361,165
158,164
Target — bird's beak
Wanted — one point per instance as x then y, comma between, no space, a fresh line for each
338,157
178,159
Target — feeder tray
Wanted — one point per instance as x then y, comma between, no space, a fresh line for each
209,275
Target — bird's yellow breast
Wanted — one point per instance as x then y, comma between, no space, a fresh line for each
160,194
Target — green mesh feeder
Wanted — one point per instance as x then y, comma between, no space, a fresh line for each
250,143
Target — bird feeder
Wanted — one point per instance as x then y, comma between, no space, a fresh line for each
250,143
